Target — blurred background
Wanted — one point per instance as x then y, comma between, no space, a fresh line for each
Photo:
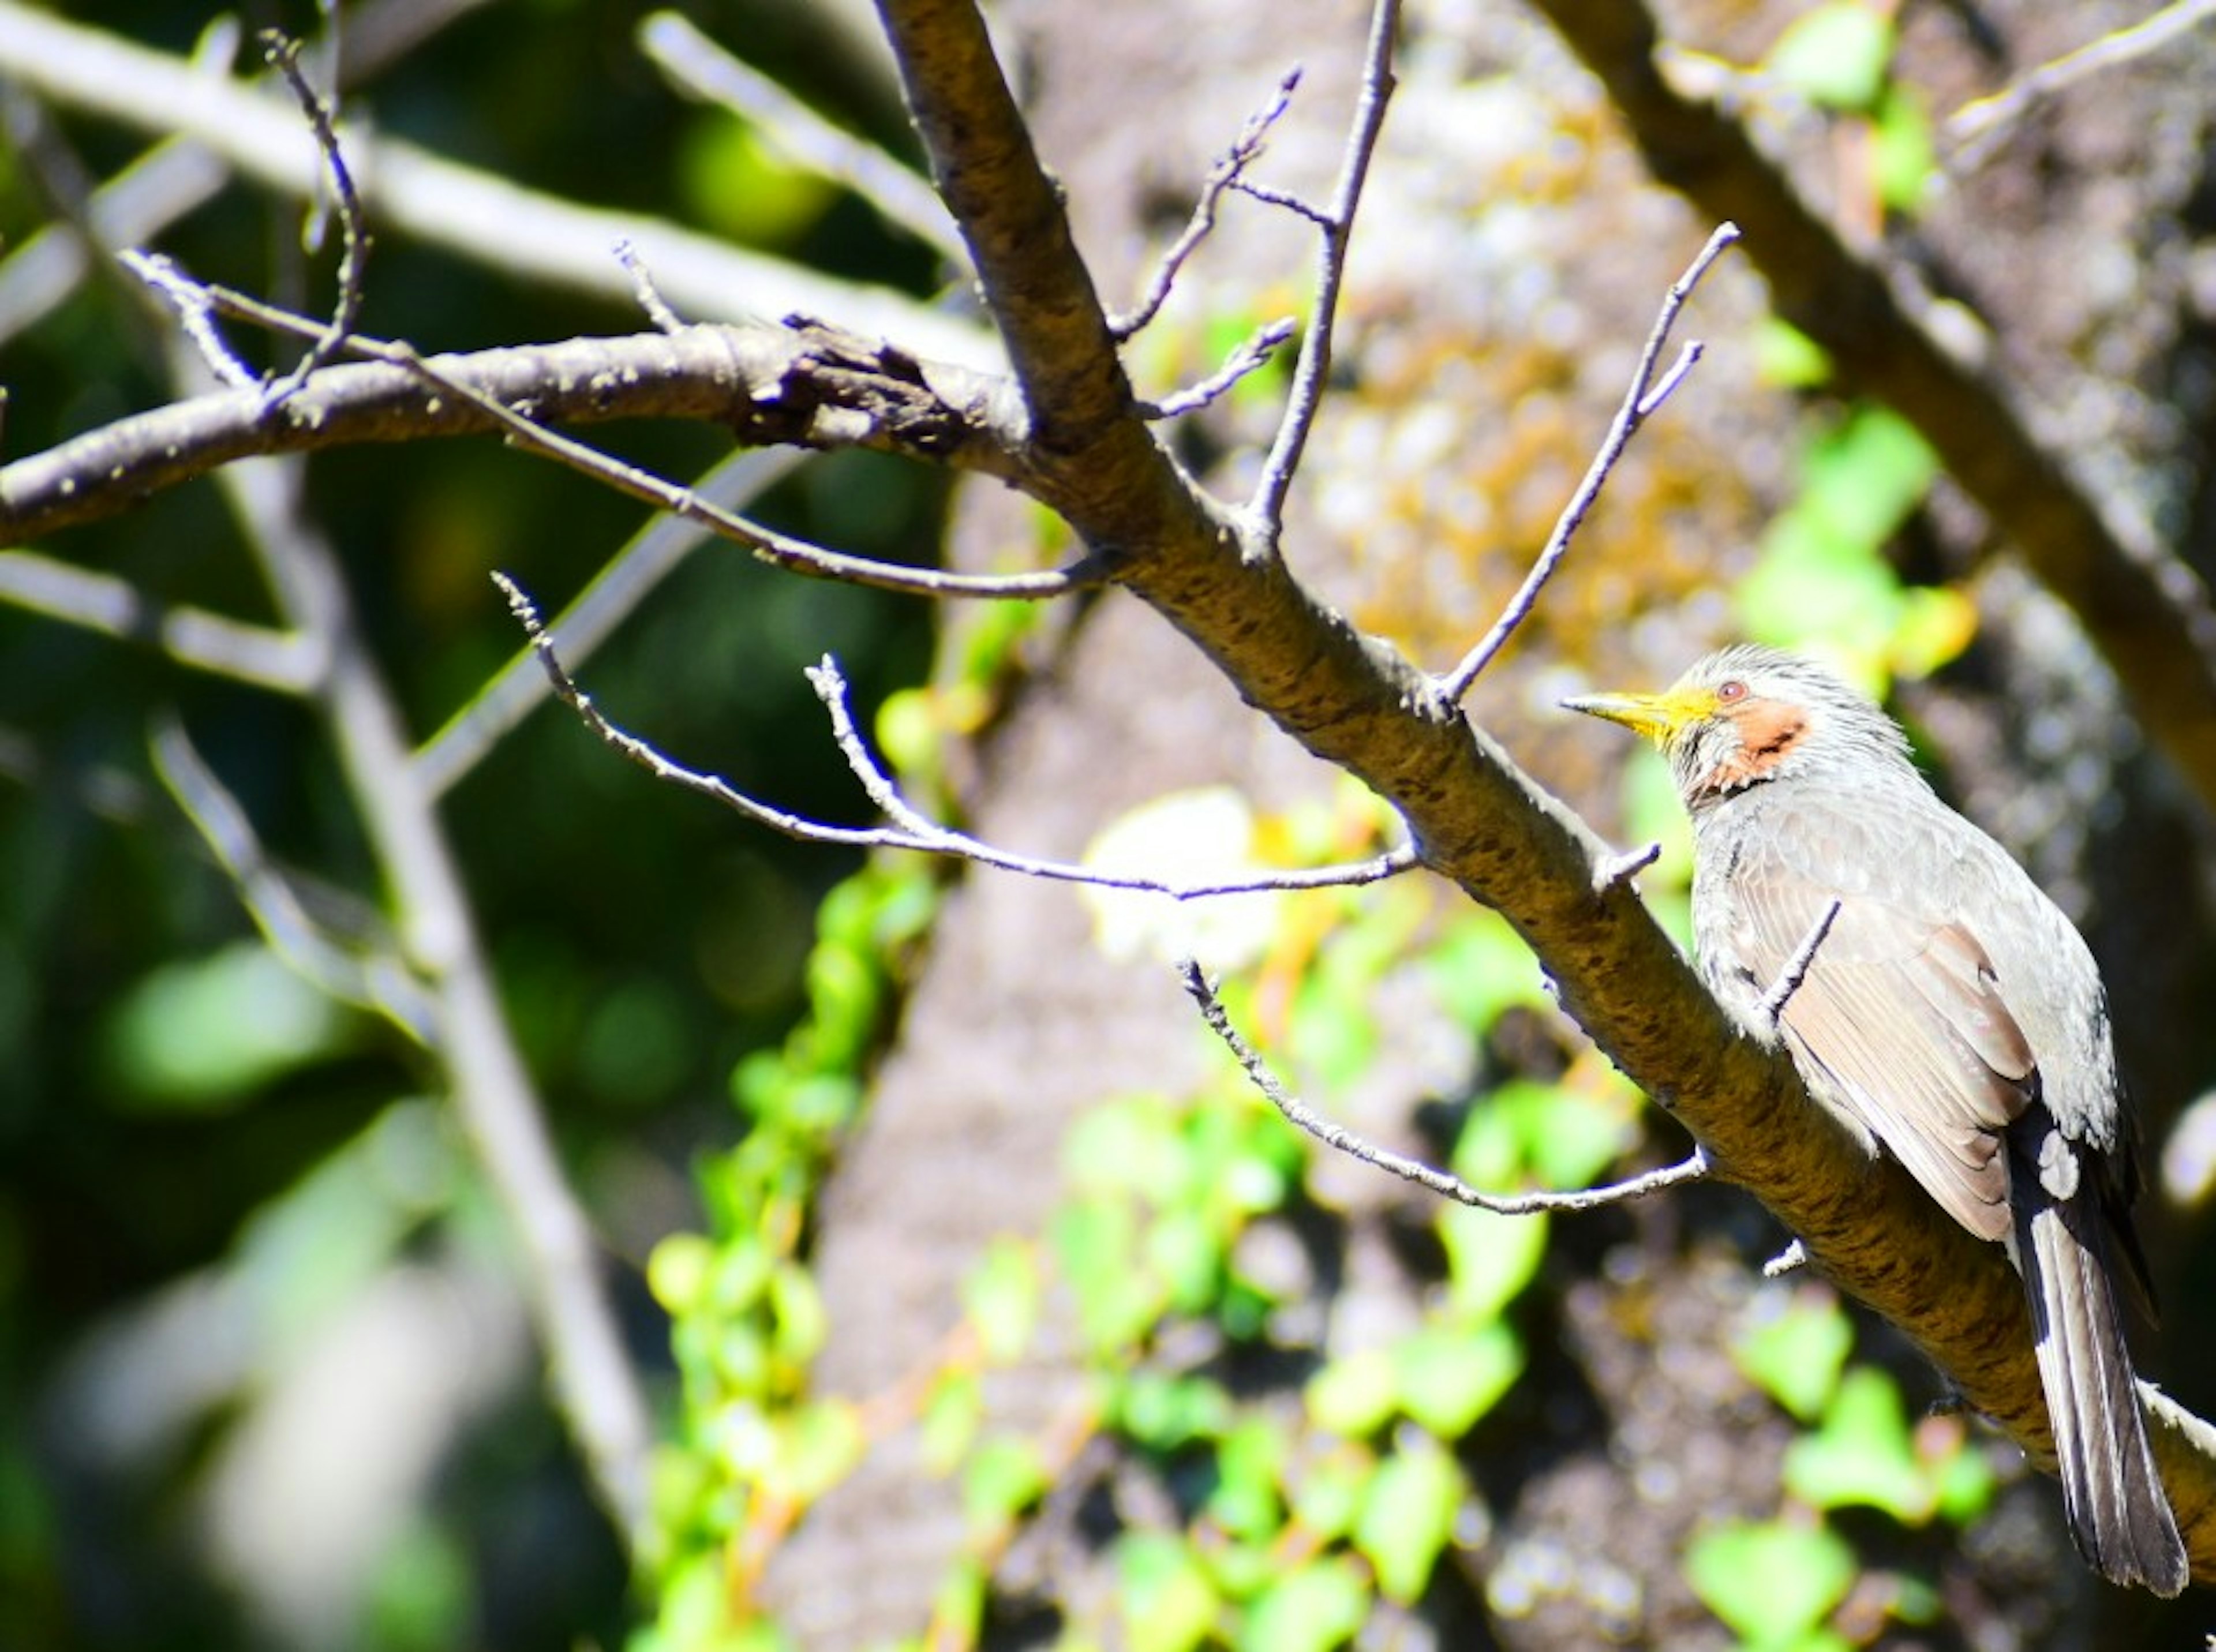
969,1298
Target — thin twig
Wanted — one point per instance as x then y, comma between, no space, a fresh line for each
910,830
642,284
1640,401
282,53
635,571
1622,868
1304,1118
283,661
780,549
700,68
1267,506
1788,982
1251,355
1978,127
1227,171
378,981
771,546
196,306
592,1381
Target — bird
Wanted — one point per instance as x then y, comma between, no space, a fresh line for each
1944,1006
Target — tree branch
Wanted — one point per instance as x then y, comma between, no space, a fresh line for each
807,385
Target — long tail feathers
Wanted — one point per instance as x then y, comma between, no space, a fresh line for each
2111,1491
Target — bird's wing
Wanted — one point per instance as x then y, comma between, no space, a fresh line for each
1899,1013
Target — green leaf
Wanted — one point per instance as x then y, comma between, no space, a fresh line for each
1186,1253
1448,1377
1787,358
1315,1607
1906,160
1002,1297
817,1446
1330,1493
1408,1517
1836,55
1569,1136
1863,1453
678,1271
1490,1258
950,1417
1480,968
207,1033
1248,1500
1795,1354
1966,1484
1863,478
1164,1412
1004,1477
1773,1584
1098,1243
1167,1597
1354,1395
796,1311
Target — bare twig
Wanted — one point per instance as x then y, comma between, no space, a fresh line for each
780,549
910,830
1267,505
1795,972
651,300
1644,395
1226,172
1304,1118
634,572
376,980
594,1385
199,300
280,660
282,53
1980,126
1251,355
196,310
1622,868
700,67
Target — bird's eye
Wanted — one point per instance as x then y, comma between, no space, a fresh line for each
1734,689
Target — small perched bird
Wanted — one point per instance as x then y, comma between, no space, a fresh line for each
1949,1010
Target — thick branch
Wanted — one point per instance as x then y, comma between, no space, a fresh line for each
806,386
1011,213
2144,609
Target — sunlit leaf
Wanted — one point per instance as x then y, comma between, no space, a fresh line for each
1836,55
1772,1583
1407,1516
1312,1608
1795,1356
1168,1600
1448,1377
210,1033
1863,1453
1355,1394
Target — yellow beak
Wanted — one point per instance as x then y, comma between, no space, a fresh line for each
1661,717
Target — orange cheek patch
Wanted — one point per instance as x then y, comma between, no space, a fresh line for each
1767,733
